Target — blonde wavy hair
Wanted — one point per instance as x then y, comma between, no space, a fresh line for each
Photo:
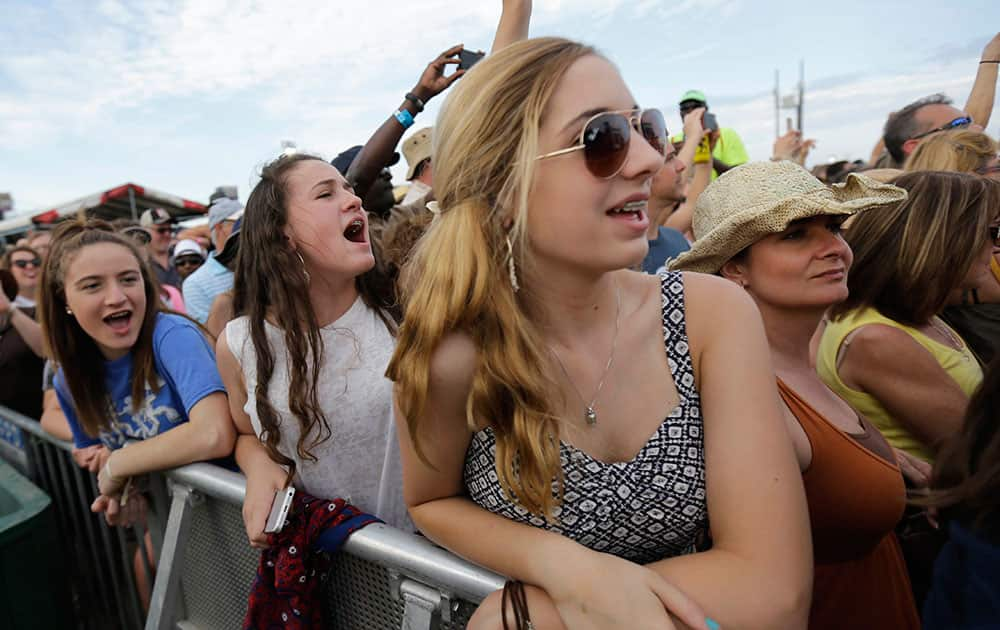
457,281
959,151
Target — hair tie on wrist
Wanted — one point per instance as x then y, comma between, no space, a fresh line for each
413,98
989,61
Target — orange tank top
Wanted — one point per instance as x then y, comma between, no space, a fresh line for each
856,496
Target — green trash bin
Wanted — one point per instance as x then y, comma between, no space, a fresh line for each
33,588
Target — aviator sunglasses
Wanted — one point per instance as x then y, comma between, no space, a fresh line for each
605,138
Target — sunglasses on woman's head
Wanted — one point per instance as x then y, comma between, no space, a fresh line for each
605,139
23,264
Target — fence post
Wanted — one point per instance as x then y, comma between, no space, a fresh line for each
163,603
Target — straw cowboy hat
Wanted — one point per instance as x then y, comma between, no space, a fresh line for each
760,198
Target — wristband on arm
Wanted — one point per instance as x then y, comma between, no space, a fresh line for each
404,117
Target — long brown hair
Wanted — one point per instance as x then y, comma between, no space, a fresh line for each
908,257
71,347
270,284
485,143
966,481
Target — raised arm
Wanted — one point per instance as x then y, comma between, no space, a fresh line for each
513,26
29,329
980,103
758,573
694,131
376,153
682,218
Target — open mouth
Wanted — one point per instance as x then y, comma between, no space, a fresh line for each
633,210
119,321
355,231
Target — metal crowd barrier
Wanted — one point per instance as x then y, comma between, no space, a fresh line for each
383,578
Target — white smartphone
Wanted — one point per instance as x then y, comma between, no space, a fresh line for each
279,510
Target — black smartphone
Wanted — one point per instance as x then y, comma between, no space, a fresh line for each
468,58
709,122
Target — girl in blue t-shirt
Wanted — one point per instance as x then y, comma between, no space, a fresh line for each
130,370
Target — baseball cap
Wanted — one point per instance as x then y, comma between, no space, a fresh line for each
188,246
344,160
232,246
417,148
155,216
693,95
223,209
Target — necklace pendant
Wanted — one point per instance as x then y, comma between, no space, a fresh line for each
590,416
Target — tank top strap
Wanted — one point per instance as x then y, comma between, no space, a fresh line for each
675,336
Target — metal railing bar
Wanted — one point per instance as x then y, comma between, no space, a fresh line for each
166,589
380,544
140,534
212,481
90,540
108,554
33,427
422,559
63,497
125,566
376,543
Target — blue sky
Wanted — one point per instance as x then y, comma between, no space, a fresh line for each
186,95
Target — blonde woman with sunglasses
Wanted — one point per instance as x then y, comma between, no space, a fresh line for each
569,423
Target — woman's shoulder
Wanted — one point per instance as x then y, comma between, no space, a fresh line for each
172,329
453,362
713,300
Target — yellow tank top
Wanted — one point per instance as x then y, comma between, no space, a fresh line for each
961,365
995,267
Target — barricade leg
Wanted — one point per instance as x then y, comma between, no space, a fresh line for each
166,589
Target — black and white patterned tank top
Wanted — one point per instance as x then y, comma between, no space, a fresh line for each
646,509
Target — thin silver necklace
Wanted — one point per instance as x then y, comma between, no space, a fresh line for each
589,414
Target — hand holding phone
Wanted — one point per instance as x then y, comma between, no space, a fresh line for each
468,58
279,510
709,122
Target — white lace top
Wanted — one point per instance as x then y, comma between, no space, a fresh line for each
360,462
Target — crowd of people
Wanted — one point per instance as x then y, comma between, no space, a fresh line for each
653,382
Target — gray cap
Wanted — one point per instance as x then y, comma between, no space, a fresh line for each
223,209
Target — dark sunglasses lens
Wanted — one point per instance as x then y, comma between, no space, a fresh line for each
995,235
605,144
654,130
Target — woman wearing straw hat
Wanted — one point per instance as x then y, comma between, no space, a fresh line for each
774,229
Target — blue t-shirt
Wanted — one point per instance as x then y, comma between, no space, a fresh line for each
185,365
669,243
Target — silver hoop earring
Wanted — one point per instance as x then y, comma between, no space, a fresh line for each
301,260
511,269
